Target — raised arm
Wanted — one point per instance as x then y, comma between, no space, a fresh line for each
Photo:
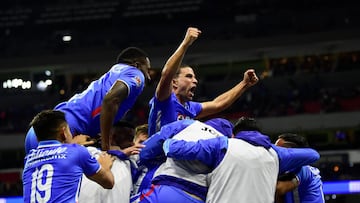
164,87
226,99
109,108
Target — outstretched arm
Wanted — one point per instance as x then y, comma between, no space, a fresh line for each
291,159
153,145
210,151
226,99
164,87
110,105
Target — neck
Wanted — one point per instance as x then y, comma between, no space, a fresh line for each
180,99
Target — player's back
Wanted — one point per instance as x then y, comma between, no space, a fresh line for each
83,109
246,174
310,188
53,172
92,192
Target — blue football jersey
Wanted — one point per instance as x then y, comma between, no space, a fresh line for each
170,110
310,189
83,110
53,171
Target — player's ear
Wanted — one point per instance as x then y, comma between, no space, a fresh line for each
65,134
174,82
62,133
137,64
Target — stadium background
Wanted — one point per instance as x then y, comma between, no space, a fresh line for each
307,54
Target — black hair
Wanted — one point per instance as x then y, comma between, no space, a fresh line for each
124,124
294,140
131,55
245,124
183,65
123,133
46,124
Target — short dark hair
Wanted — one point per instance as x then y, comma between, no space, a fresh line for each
131,55
123,124
46,124
122,132
179,69
294,140
245,124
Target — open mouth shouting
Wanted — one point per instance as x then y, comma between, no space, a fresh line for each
192,91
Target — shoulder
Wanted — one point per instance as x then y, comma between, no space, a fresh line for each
177,126
77,148
194,103
171,98
125,69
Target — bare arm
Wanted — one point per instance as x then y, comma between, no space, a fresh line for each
104,176
135,149
164,87
226,99
83,140
283,187
110,105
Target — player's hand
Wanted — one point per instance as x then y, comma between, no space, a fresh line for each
83,140
135,149
250,77
106,160
191,35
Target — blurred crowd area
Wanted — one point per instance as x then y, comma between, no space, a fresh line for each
295,85
288,86
10,182
315,84
36,27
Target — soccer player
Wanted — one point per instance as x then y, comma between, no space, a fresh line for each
106,100
175,90
171,182
122,136
53,170
304,186
244,168
141,133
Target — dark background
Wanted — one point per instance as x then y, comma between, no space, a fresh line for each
306,54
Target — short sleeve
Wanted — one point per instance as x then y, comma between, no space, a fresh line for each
88,163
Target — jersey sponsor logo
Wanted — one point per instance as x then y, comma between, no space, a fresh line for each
211,131
45,155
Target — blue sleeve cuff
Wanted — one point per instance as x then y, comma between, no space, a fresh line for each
166,146
119,154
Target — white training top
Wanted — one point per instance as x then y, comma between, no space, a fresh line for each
246,174
180,169
91,192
